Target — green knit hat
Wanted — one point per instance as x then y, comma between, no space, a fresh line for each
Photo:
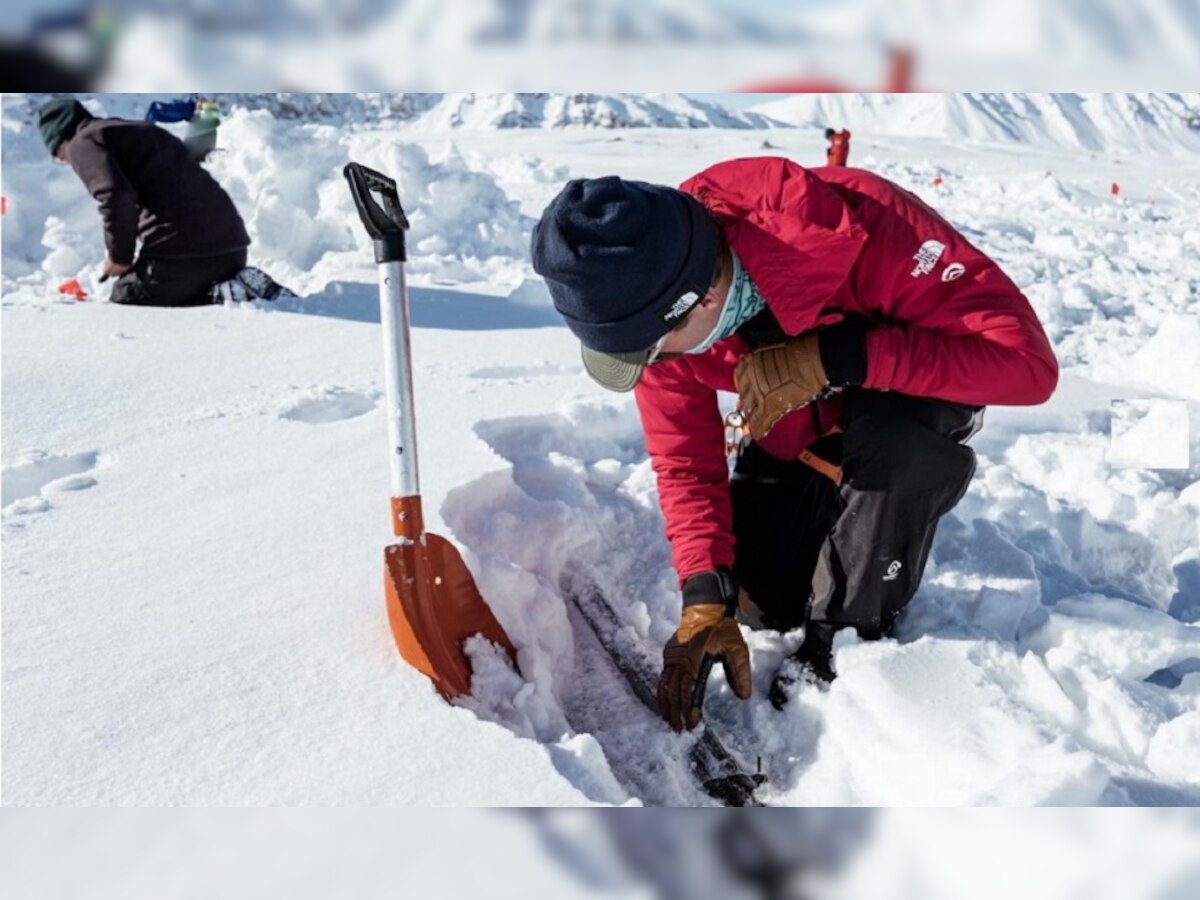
58,120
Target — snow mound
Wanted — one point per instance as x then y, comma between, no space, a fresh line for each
1169,360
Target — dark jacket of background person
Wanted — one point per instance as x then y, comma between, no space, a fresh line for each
149,188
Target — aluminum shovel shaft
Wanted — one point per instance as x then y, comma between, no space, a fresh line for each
433,603
397,367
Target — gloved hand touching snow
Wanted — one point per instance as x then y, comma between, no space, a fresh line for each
707,634
114,269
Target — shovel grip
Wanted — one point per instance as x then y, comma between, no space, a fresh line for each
385,224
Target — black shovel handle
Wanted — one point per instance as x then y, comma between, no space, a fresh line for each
385,224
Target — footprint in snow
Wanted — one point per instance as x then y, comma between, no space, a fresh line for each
330,405
28,484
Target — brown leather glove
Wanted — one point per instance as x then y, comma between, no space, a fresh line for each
707,633
774,380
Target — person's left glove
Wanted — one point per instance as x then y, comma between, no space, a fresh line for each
707,634
774,380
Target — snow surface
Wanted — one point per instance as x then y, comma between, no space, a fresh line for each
1150,434
195,502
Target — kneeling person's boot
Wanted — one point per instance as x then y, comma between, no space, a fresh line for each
812,663
262,286
229,291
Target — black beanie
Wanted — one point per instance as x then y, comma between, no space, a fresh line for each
624,260
58,120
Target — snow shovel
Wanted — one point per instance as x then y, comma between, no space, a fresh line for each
433,604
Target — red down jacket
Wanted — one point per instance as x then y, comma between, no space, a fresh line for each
821,242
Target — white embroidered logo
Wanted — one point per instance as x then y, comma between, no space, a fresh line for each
683,304
952,271
927,257
893,570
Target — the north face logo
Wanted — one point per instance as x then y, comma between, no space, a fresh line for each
685,302
927,257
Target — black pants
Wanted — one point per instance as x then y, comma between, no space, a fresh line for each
175,282
809,551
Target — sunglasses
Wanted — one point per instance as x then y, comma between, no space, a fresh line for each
656,352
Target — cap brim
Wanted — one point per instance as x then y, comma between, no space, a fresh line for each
615,371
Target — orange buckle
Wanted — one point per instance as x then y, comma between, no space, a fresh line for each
824,466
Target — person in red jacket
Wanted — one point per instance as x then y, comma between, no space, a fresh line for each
863,336
839,147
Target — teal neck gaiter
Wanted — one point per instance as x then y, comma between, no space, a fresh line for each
742,303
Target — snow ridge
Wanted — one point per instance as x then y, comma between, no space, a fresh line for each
1161,122
463,110
509,110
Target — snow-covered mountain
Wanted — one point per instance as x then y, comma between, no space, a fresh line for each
509,110
329,108
587,110
365,108
434,111
1096,122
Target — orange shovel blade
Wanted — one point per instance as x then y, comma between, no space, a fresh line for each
433,606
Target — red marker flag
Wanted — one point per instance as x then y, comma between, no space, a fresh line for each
72,288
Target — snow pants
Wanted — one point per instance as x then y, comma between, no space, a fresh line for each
809,550
175,282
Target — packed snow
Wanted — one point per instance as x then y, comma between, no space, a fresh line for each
195,501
